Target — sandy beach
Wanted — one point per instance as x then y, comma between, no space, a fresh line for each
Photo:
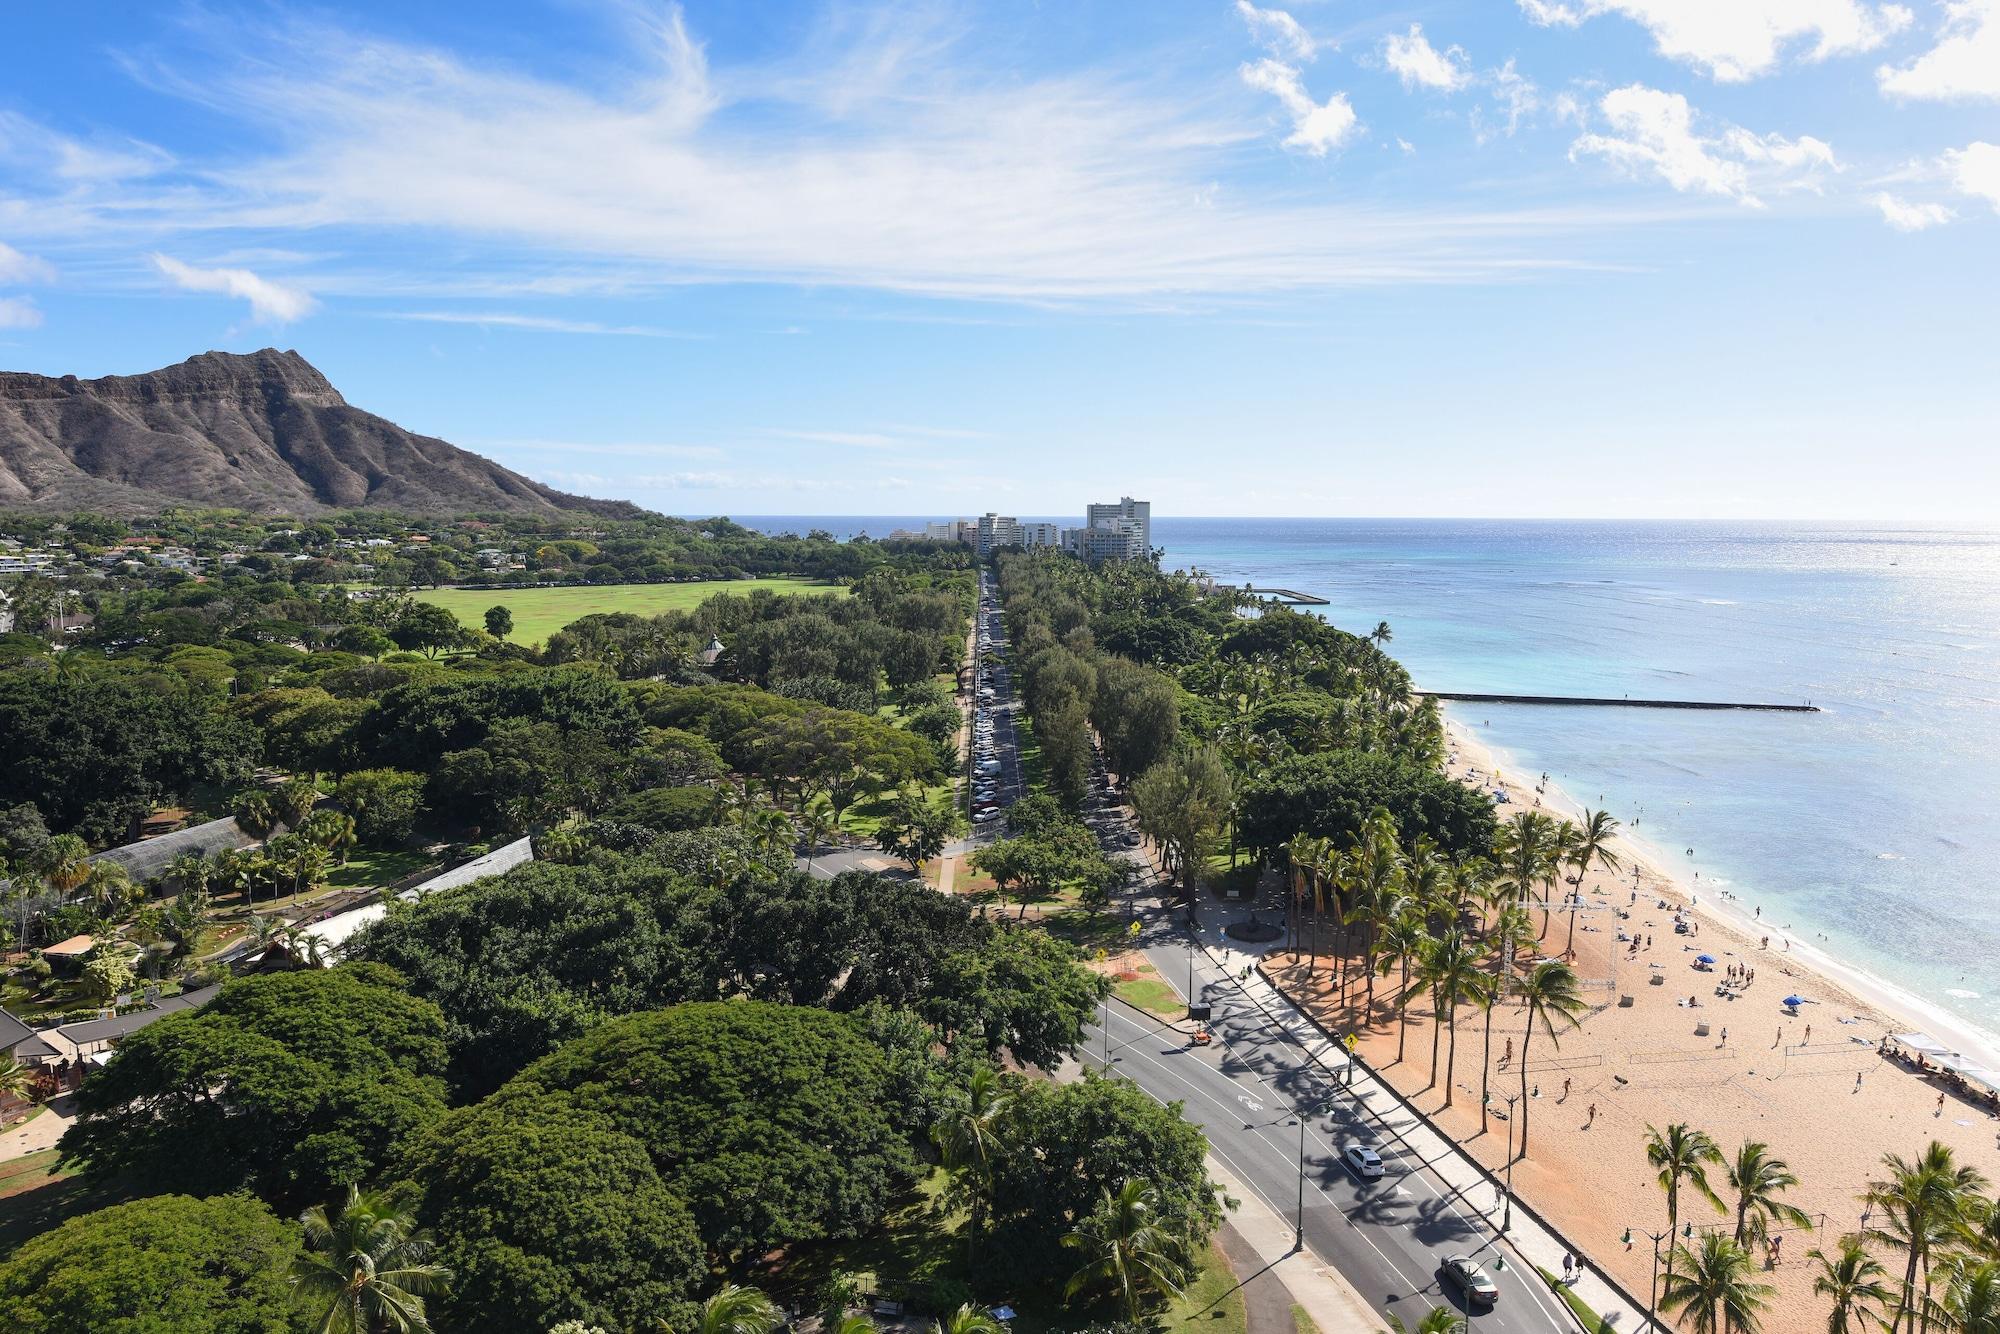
1812,1086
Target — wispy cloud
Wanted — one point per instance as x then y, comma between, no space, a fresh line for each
1658,133
933,176
18,312
16,267
1283,35
1317,127
270,302
1964,65
1906,216
1421,65
851,439
1735,40
537,323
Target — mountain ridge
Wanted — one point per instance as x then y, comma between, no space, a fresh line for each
264,431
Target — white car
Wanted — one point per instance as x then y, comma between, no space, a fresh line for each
1366,1163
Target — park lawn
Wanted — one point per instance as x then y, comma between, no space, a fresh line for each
1302,1320
1153,996
540,612
1212,1304
36,1195
368,867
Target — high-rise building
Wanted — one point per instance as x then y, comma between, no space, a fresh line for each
997,531
1040,534
1115,539
1137,513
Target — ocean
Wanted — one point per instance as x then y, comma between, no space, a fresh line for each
1868,829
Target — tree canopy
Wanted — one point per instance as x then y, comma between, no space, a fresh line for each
1332,794
546,1212
168,1264
770,1120
293,1083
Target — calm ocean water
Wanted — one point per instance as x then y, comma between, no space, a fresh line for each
1874,822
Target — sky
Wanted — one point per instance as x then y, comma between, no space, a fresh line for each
1564,258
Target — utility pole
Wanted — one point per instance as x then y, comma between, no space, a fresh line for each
1653,1293
1507,1208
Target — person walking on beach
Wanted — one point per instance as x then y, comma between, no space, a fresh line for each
1940,1106
1857,1081
1725,1039
1808,1032
1593,1117
1565,1096
1507,1055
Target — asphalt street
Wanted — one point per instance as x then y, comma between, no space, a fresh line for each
1246,1090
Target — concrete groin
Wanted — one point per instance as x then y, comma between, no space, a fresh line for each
1584,701
1289,596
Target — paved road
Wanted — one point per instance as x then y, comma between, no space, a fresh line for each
1387,1237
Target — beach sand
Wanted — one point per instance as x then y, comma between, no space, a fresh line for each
1649,1062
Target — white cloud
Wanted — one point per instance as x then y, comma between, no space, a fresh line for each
1405,144
17,312
1975,170
16,267
1518,98
1656,132
1965,63
1906,216
270,302
536,323
851,439
1734,40
1317,127
1419,63
1280,33
419,174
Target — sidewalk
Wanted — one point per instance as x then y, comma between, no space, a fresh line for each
1326,1296
1531,1239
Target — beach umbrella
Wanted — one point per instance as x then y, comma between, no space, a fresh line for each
1704,958
1795,1000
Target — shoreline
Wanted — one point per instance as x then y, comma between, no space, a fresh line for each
1809,960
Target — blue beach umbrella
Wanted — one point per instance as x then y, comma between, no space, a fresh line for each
1704,958
1795,1000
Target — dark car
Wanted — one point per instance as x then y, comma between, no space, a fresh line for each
1464,1273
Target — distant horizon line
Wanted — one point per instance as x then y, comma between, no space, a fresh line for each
1933,522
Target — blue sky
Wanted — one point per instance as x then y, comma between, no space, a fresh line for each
1678,258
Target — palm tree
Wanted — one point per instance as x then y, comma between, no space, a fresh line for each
1125,1244
1758,1177
65,863
1591,846
106,882
1437,1320
1922,1204
192,872
818,823
366,1270
735,1309
330,829
1971,1302
1548,994
969,1319
1716,1294
1853,1279
16,1079
1403,942
1451,969
1524,852
1510,928
1381,634
968,1145
1679,1154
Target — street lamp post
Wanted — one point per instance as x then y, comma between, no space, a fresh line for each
1652,1293
1306,1114
1507,1208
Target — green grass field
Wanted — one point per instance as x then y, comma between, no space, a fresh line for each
540,612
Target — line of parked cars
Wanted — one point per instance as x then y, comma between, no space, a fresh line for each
989,771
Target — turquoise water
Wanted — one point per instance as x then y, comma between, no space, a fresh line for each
1875,822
